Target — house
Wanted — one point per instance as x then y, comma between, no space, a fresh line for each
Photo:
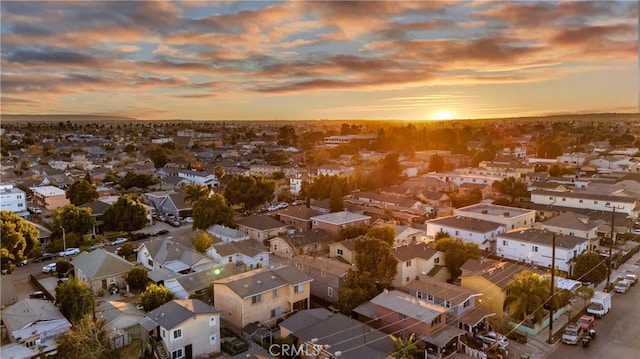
461,302
49,197
226,234
260,228
470,230
344,249
262,295
574,224
202,178
309,242
182,328
585,200
121,321
264,170
33,324
334,222
169,254
12,199
198,283
101,269
491,278
328,276
298,217
296,180
97,212
248,254
330,335
510,217
418,259
535,246
402,314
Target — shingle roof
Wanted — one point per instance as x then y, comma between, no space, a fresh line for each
570,220
100,264
259,281
466,223
299,212
172,313
440,289
410,251
166,250
248,247
408,305
542,237
260,222
28,311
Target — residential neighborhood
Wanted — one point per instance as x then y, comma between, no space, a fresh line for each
193,244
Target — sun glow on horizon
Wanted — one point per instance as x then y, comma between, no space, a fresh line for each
443,115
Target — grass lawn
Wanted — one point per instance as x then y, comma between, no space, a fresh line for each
130,351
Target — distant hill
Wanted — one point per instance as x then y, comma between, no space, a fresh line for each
63,118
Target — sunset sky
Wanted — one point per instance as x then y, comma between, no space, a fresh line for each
307,60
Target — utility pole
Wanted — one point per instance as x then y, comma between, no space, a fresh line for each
613,215
553,286
64,242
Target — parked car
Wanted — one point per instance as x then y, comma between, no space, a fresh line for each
161,232
631,278
118,241
572,334
35,210
49,268
174,223
37,295
282,205
188,220
622,286
96,246
69,252
493,337
272,208
297,202
586,322
45,257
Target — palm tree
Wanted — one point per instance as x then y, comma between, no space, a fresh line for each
219,172
529,291
404,348
195,192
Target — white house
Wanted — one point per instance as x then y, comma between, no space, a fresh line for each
12,198
584,200
535,246
510,217
227,234
199,177
248,253
470,230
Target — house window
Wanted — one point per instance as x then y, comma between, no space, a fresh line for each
275,247
435,321
286,250
419,295
504,243
564,199
466,303
436,260
457,233
330,292
580,201
112,280
430,297
164,333
402,316
298,288
150,262
535,248
275,293
340,252
177,354
213,339
212,321
323,274
407,279
230,259
177,334
595,202
276,312
256,299
550,198
447,304
408,263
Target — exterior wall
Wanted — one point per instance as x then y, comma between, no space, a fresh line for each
325,286
457,307
526,251
590,234
296,223
492,297
281,248
392,322
12,199
522,220
335,228
144,257
50,202
260,235
334,251
466,235
408,270
241,311
261,259
198,332
599,205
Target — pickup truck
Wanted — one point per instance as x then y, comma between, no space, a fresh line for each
572,334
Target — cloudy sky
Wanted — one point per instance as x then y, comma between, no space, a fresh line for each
306,60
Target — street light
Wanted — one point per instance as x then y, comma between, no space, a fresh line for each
64,242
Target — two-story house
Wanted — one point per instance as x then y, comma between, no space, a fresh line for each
165,253
334,222
261,228
183,328
510,217
298,217
49,197
328,276
470,230
309,242
12,199
574,224
535,246
262,295
418,259
585,200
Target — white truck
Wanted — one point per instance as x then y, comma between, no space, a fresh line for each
600,304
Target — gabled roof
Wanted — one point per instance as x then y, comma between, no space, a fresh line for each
301,239
340,218
172,313
248,247
440,289
410,251
261,223
410,306
167,250
324,264
570,220
178,200
263,280
305,318
467,224
126,314
29,311
100,263
299,212
202,279
97,207
497,272
542,237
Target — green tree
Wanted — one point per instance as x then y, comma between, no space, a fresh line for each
126,250
19,239
336,202
159,156
436,163
384,233
404,348
287,136
195,192
209,211
349,232
63,266
590,267
74,299
130,148
202,241
86,339
155,296
137,278
73,219
358,288
250,191
81,192
585,293
529,291
219,172
140,180
373,255
126,214
511,187
456,253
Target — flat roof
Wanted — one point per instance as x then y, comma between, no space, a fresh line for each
494,210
